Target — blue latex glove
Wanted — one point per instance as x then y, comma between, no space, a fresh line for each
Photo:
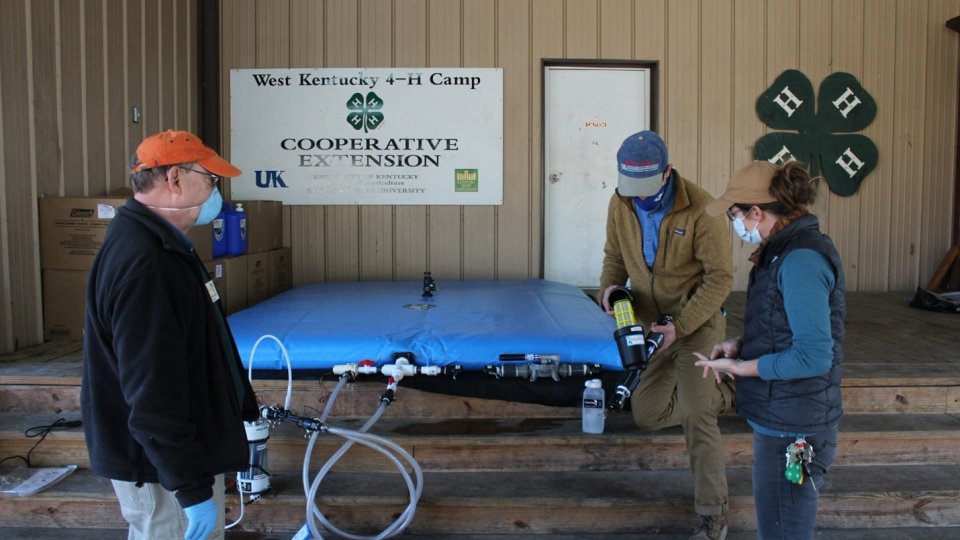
202,519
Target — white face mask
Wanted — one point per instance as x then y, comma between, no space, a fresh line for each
751,237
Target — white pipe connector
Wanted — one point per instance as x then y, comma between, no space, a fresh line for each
399,369
340,369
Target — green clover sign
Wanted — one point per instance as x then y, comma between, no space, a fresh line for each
823,139
365,115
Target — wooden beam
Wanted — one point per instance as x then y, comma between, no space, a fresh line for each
954,24
940,275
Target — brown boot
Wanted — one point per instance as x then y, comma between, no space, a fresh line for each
710,528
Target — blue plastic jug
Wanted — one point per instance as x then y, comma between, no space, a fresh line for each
236,221
220,234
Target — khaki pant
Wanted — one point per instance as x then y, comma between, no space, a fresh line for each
673,392
154,513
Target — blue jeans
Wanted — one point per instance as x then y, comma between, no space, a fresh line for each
786,510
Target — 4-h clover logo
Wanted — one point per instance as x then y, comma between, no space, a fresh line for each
365,115
824,140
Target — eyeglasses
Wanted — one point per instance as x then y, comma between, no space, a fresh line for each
214,179
733,213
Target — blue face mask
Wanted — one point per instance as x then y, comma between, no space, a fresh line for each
210,209
751,237
651,203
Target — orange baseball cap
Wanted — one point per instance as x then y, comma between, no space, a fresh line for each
176,147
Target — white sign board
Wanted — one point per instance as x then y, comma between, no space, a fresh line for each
368,136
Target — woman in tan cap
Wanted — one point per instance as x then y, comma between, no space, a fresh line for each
787,363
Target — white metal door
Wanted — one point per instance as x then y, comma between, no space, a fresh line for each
589,111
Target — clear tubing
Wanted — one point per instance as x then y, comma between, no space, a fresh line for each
333,397
375,442
286,357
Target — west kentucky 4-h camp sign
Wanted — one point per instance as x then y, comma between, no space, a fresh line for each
822,138
368,135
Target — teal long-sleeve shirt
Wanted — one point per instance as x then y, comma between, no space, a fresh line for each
805,281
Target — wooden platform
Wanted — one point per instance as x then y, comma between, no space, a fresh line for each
511,469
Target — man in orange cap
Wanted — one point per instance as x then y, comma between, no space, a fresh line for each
163,395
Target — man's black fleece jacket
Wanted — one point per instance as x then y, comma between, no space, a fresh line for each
161,372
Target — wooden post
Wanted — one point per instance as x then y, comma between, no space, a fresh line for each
944,269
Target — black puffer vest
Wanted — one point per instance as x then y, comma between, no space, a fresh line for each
809,405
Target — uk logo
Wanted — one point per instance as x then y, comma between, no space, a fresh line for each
269,179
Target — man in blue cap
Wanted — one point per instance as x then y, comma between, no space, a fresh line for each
678,261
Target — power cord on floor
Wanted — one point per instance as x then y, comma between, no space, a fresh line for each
42,432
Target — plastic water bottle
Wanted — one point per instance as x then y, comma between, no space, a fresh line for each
594,407
236,231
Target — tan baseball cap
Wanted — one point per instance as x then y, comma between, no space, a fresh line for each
749,185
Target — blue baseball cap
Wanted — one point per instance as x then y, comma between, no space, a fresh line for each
641,160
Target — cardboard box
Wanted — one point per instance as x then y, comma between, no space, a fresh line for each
230,277
264,225
279,271
257,291
202,238
72,230
64,298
